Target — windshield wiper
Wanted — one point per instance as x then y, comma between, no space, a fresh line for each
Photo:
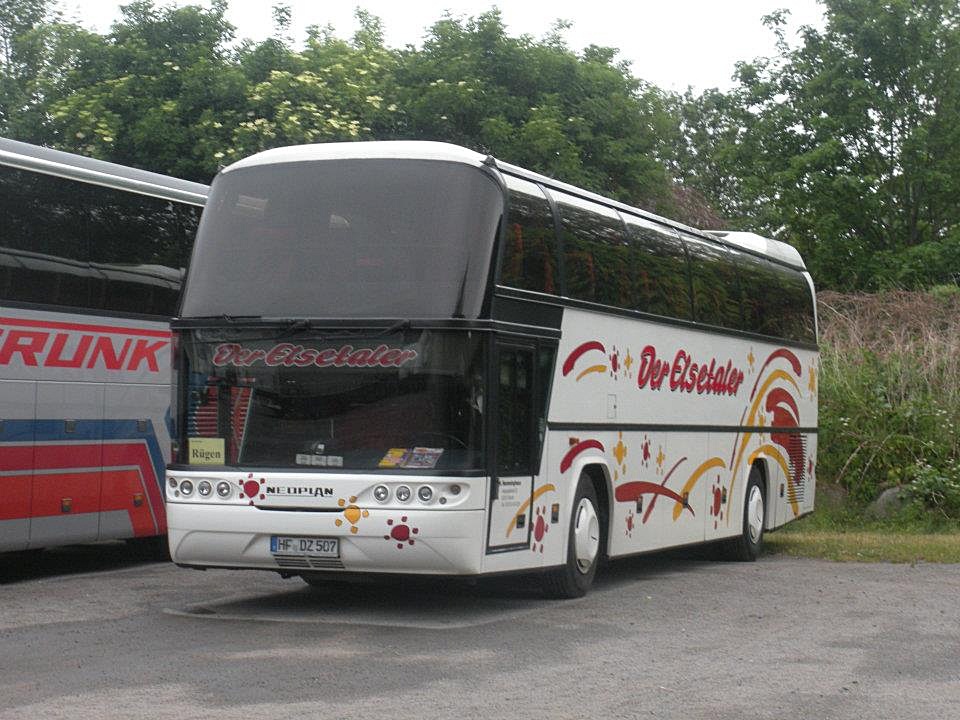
298,325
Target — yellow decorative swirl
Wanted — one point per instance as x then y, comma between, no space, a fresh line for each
523,508
697,474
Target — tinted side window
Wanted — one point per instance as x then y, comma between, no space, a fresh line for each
660,281
776,300
44,250
716,289
595,251
529,257
515,370
140,247
72,244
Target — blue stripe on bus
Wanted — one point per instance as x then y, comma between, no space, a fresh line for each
46,431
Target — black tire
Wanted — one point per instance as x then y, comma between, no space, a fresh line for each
747,546
575,576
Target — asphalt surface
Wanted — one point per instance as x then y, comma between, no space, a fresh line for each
100,632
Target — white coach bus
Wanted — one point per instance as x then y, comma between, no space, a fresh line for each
406,357
92,256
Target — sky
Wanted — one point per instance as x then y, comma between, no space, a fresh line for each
670,43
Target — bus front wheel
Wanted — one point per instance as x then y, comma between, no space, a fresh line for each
575,576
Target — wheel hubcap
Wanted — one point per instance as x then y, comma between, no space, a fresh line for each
755,514
586,535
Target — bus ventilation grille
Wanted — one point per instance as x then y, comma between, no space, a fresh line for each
299,562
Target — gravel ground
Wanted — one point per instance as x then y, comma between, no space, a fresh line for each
98,633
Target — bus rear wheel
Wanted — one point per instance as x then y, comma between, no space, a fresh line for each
748,545
575,576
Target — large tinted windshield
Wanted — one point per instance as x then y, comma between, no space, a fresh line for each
345,239
409,400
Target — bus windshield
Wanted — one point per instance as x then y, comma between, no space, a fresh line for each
346,239
405,401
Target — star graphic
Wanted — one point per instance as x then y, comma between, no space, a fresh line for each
661,458
751,359
812,384
628,361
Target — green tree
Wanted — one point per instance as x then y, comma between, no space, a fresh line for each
580,117
845,145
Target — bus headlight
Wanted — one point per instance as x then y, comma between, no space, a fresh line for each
204,488
381,493
224,489
186,488
403,493
425,493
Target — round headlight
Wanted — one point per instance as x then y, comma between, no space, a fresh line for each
425,493
186,487
204,488
454,489
224,489
173,483
380,493
403,493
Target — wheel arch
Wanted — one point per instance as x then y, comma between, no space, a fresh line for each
766,480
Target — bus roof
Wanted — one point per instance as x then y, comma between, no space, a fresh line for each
373,150
759,244
99,172
447,152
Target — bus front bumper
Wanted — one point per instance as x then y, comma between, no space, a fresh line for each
448,542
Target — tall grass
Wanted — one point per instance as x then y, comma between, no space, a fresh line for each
890,396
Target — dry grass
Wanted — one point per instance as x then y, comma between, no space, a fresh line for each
920,328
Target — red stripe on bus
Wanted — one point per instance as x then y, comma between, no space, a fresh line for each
576,450
53,325
114,492
90,457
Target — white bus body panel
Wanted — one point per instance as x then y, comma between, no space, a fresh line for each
676,452
84,437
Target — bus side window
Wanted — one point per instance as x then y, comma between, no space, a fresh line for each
67,243
776,300
529,256
716,286
660,272
45,254
138,244
595,250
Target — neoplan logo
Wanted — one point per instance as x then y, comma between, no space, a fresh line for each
299,491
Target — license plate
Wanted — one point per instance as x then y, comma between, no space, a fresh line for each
314,547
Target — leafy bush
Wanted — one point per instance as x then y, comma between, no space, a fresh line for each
937,488
890,394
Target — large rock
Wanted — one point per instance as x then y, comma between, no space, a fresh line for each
891,501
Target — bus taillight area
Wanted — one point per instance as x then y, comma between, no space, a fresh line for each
302,522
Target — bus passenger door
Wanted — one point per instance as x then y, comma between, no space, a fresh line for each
513,435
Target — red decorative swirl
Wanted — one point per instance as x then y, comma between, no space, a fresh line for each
781,353
629,492
575,355
576,450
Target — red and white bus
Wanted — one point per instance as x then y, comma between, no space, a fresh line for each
92,257
406,357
